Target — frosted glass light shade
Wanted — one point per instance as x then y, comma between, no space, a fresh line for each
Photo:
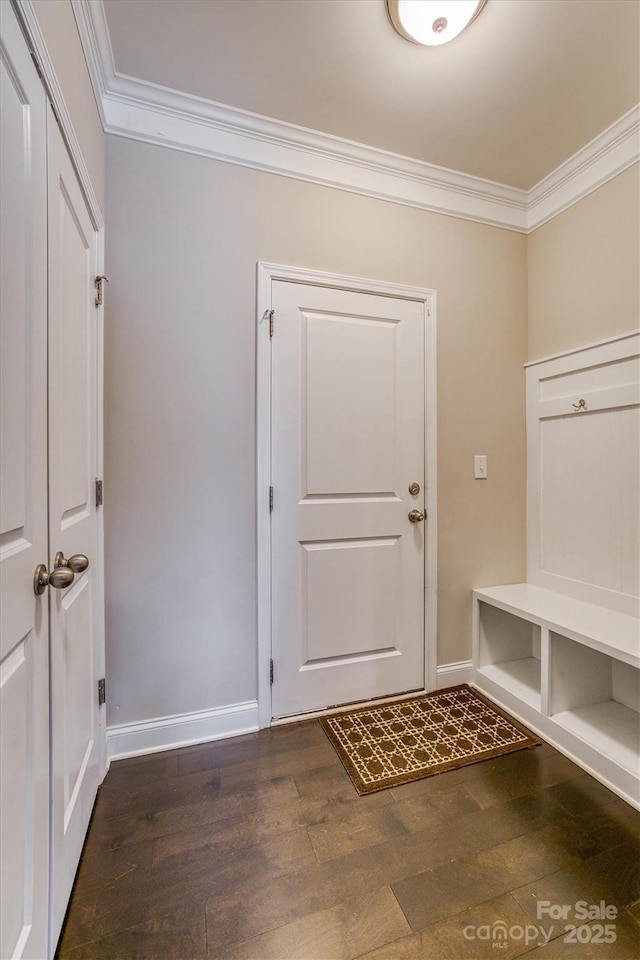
432,22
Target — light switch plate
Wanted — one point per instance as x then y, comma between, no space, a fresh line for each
480,467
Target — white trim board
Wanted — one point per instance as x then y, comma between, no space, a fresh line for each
267,273
151,113
453,674
587,346
181,730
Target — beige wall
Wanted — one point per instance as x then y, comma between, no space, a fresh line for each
58,26
184,236
584,275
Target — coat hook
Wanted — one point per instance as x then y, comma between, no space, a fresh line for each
581,405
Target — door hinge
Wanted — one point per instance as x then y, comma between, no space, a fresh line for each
270,499
98,493
99,283
36,64
270,671
102,691
271,312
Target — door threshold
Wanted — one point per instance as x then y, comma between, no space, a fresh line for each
344,707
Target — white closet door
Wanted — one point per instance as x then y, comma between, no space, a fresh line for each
75,730
24,677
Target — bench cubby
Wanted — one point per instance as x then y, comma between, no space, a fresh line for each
509,652
569,670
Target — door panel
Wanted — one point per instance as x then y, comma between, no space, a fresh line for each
24,672
72,519
360,577
348,427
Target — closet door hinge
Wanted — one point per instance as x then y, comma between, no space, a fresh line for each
99,283
36,64
270,671
270,499
98,493
102,691
271,312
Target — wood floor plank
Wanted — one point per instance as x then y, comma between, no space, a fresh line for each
259,907
334,838
415,813
339,933
130,902
224,753
517,775
442,842
287,763
449,889
165,793
148,821
126,775
175,936
465,936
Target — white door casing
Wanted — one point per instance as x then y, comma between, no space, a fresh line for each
24,652
342,422
74,626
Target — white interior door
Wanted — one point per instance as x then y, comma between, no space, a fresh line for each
348,434
72,519
24,670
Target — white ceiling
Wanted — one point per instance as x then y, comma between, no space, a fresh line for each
527,85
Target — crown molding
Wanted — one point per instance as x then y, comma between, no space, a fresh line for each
147,112
96,44
604,157
154,114
36,43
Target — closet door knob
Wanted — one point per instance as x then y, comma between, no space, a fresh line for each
60,579
78,563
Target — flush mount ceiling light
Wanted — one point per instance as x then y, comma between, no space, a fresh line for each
432,22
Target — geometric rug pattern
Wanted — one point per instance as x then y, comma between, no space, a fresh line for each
395,743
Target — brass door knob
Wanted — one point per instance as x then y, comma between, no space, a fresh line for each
416,516
78,563
60,579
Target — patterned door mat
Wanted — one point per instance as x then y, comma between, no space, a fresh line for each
407,740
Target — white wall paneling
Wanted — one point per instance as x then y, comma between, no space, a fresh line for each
583,430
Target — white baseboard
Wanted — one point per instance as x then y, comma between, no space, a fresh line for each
167,733
452,674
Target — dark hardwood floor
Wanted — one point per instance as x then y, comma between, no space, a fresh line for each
259,847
